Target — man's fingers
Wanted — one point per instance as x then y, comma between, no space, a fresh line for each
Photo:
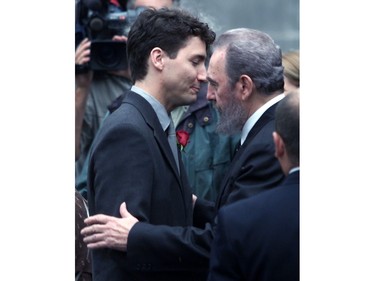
97,245
93,238
120,38
97,219
91,230
123,211
95,241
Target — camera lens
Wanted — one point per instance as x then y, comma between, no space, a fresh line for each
108,55
96,24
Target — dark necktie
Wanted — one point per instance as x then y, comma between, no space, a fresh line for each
173,142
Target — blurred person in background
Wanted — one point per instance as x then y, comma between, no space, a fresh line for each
83,270
291,70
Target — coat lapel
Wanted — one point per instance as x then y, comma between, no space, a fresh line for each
152,120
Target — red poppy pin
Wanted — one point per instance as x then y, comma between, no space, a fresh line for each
182,139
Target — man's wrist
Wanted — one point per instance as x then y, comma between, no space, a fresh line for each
81,69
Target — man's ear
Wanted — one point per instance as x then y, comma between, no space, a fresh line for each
245,86
279,145
157,58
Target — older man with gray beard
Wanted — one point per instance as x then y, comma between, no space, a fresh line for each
245,78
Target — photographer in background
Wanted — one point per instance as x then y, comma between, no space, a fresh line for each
291,70
94,92
95,89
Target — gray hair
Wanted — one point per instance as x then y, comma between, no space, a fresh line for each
253,53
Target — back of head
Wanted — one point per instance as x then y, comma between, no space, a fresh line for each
287,125
291,66
168,29
255,54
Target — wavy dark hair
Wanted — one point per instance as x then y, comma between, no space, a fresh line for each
168,29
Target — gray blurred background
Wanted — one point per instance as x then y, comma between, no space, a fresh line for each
280,19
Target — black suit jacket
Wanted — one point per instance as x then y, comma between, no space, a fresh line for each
258,238
253,170
132,161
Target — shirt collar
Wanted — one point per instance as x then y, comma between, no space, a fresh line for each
295,169
159,109
256,115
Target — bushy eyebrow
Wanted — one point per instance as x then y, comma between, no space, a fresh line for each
212,82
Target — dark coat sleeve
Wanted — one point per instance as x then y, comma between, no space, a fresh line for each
224,263
164,247
204,211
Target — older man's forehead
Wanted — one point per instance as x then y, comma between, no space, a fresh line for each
216,65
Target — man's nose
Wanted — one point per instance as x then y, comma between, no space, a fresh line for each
202,74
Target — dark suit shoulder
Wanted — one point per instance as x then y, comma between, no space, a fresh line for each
281,199
133,109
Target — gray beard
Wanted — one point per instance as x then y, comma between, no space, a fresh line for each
232,118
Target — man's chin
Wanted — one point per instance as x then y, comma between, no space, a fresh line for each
191,99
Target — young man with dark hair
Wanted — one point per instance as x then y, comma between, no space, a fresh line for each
132,159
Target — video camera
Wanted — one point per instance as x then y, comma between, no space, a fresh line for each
100,21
